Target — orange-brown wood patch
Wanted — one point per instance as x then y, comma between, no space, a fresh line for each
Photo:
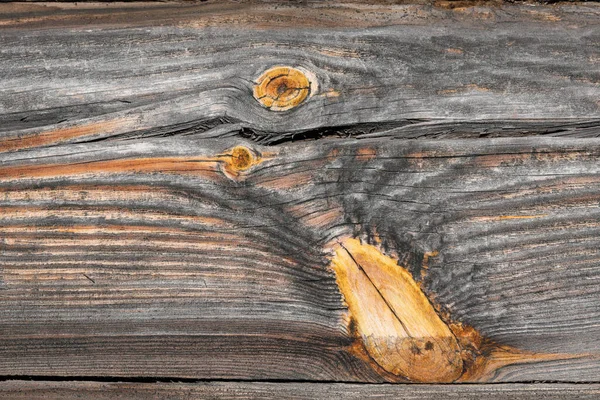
281,88
233,162
400,329
64,134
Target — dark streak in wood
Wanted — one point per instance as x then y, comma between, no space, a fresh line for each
18,390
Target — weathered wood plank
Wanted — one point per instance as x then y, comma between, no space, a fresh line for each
294,391
164,257
147,228
80,73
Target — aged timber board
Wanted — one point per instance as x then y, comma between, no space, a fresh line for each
70,75
28,390
166,213
164,259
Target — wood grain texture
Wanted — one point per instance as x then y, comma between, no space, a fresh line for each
24,390
157,221
88,72
194,272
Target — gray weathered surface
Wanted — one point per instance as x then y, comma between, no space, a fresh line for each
120,269
17,390
137,253
177,68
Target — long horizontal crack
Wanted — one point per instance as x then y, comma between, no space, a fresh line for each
153,379
414,129
405,129
341,131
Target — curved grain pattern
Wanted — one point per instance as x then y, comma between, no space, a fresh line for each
139,271
179,69
148,228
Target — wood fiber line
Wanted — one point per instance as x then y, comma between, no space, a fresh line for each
136,271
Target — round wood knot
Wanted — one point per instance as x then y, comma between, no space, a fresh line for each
241,158
282,88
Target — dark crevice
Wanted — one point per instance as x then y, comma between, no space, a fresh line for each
220,127
340,131
136,379
405,129
209,128
184,129
495,129
423,129
47,116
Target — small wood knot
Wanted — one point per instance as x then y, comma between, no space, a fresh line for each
237,161
282,88
241,158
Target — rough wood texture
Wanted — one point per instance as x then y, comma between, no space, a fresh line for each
24,390
157,221
159,259
72,74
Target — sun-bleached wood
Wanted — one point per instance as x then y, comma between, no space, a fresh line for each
172,258
158,221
